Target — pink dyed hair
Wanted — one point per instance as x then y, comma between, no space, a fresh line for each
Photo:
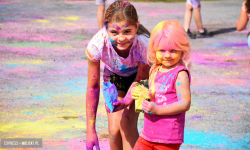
170,33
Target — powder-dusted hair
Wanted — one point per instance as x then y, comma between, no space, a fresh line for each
172,34
123,10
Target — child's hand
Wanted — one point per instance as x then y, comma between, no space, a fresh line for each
92,140
119,105
149,107
135,92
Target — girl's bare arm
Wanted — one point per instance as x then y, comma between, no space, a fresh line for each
242,21
92,100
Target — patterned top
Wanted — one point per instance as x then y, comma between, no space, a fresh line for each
100,48
167,129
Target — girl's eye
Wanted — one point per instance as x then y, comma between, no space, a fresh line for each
173,51
128,31
113,32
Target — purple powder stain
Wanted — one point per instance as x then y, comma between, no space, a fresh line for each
236,44
217,64
35,17
195,116
5,3
231,45
118,28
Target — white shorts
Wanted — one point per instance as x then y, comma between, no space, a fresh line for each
102,2
194,3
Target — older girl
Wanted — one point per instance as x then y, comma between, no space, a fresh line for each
122,45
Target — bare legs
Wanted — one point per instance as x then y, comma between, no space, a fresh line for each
188,16
123,132
197,18
100,15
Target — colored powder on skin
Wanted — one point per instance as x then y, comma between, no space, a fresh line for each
131,40
111,40
112,138
112,25
91,122
118,28
159,57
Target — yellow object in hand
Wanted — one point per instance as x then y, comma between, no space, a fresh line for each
140,93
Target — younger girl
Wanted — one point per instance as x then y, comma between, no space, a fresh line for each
244,18
169,88
122,45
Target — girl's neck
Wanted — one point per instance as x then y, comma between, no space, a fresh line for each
163,68
123,53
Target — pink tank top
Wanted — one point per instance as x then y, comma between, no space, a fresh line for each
167,129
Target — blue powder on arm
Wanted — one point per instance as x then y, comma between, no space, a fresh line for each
110,94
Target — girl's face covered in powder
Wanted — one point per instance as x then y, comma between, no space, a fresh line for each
121,34
168,57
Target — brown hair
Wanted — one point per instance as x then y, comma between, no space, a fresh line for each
123,10
247,4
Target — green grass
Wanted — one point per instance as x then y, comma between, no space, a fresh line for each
165,0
